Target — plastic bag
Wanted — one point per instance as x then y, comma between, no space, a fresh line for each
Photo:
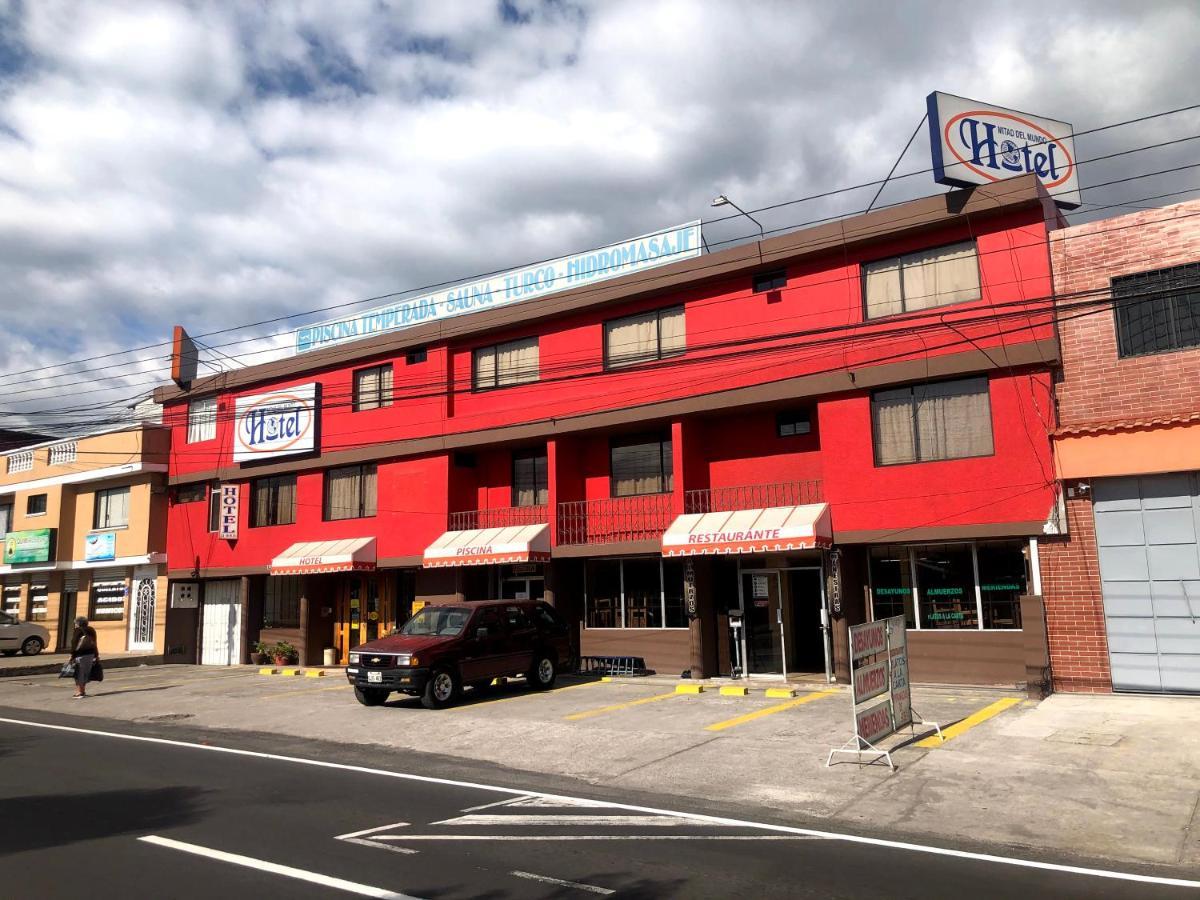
68,669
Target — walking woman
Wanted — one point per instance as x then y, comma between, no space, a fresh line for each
84,653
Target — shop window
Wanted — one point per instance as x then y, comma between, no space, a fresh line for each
12,599
1002,581
530,486
1159,311
921,280
641,465
945,586
281,605
202,420
503,365
273,501
39,600
770,281
793,422
111,508
645,337
191,493
373,387
637,592
35,505
108,597
891,584
350,492
936,421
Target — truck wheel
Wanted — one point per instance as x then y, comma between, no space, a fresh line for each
370,696
441,690
545,670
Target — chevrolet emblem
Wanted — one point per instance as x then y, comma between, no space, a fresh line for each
376,659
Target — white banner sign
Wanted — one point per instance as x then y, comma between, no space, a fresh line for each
276,424
977,143
515,286
227,512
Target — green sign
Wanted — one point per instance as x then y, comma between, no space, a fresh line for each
28,546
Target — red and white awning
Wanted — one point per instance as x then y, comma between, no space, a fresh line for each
312,557
770,530
484,546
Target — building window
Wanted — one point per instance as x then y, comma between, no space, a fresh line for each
530,486
641,466
373,387
202,420
350,492
416,355
6,518
639,592
793,422
503,365
214,508
921,280
281,605
39,600
191,493
1158,311
12,599
108,596
926,422
273,500
645,337
111,508
35,505
770,281
971,586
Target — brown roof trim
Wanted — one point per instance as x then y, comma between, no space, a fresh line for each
939,533
650,547
925,214
1030,353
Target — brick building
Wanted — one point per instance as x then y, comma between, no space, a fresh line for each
1122,590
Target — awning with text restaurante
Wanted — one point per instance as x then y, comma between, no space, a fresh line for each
770,530
313,557
484,546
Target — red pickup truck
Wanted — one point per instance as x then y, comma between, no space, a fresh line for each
444,648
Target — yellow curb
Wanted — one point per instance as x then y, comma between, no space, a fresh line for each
289,671
732,690
781,693
268,671
976,718
689,689
315,673
606,679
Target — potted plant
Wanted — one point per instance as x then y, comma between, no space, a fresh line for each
283,653
261,654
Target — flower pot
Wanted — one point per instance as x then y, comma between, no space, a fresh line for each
281,660
259,659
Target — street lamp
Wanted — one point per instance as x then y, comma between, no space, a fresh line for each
722,200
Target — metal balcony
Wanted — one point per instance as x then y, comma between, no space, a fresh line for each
753,496
499,517
614,520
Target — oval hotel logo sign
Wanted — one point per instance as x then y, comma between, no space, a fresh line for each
276,424
976,143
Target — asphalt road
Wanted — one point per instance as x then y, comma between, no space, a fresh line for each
95,816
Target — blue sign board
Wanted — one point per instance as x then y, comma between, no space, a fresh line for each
99,546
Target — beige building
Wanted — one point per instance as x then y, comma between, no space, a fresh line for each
84,523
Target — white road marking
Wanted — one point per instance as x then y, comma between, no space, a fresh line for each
507,801
340,884
653,821
561,883
374,843
552,803
354,834
695,817
597,837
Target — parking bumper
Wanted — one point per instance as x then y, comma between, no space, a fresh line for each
401,678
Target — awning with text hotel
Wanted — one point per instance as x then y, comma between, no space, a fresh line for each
777,528
484,546
314,557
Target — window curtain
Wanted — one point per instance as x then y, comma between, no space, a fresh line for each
672,331
485,367
517,362
373,388
940,276
953,419
342,493
881,283
202,420
632,340
369,492
530,487
118,507
262,503
893,423
644,468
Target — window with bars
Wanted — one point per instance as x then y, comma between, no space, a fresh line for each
273,501
202,420
503,365
530,485
1157,312
927,422
111,508
373,387
645,337
281,604
922,280
641,465
350,492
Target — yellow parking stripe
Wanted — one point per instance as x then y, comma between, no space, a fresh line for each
993,709
587,714
770,710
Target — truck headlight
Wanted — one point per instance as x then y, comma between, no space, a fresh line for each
354,659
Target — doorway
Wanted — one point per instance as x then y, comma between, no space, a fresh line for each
66,619
783,629
221,624
762,612
532,587
806,636
366,611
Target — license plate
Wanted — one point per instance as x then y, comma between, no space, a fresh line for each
375,677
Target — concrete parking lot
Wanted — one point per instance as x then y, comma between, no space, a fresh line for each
1112,776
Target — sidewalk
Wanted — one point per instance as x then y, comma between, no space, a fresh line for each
45,663
1110,776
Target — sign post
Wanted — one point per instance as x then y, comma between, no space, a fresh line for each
882,701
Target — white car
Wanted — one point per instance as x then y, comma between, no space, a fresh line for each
26,637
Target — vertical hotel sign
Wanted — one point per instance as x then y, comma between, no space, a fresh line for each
280,423
227,511
977,143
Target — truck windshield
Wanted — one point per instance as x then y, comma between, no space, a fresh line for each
437,620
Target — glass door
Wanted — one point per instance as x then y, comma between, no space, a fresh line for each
762,615
366,612
531,588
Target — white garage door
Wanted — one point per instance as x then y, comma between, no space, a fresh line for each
221,624
1147,530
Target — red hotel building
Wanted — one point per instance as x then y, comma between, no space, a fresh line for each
850,417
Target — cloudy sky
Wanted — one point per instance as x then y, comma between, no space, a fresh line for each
216,164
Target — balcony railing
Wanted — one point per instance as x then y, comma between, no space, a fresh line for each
753,496
63,454
499,517
613,520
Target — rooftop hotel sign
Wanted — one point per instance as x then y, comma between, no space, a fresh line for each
276,424
977,143
506,288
